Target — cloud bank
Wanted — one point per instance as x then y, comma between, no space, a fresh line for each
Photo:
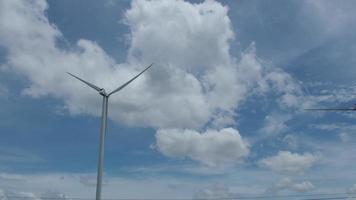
195,78
195,81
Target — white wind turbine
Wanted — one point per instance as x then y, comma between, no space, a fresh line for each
104,116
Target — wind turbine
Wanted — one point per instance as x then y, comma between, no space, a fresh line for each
332,109
104,116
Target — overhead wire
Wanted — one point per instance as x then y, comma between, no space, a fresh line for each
320,196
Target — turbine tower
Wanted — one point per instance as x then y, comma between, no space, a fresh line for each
104,116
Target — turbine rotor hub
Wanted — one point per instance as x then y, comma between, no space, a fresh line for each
103,92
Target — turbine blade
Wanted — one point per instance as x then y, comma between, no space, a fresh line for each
331,109
128,82
89,84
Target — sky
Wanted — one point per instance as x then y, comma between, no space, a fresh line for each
219,115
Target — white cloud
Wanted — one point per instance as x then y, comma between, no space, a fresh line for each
69,185
288,91
178,33
5,195
333,17
344,130
194,80
344,137
329,95
90,180
211,148
169,95
352,189
53,194
291,141
289,184
274,124
279,185
17,155
304,186
327,127
215,191
335,127
287,162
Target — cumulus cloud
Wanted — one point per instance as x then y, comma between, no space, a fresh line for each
189,44
195,80
289,184
211,148
179,53
287,162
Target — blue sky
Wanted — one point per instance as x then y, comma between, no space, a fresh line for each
220,114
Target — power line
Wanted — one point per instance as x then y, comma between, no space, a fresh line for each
327,196
332,198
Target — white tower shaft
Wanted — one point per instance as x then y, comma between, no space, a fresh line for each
104,117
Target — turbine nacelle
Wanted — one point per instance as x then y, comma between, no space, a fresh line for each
102,92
